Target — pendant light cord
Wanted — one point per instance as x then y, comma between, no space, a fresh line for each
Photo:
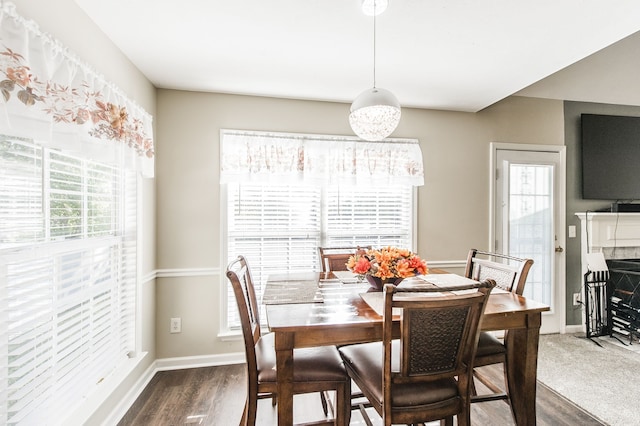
374,44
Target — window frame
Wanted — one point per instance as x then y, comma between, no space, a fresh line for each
226,332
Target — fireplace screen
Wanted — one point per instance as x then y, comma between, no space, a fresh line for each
625,297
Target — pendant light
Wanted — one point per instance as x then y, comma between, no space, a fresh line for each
374,7
375,113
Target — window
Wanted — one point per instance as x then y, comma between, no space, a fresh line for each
278,223
67,277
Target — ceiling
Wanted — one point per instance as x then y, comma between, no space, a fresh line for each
461,55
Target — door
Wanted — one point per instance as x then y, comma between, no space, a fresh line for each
529,218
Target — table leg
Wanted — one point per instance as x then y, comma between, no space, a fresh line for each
521,366
284,369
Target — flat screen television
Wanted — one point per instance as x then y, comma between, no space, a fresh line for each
610,157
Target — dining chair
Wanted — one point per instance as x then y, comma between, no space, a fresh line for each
335,258
510,274
317,369
424,375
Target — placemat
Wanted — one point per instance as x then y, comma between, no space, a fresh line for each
446,280
375,300
286,292
347,277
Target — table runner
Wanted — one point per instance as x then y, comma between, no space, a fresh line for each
284,292
376,299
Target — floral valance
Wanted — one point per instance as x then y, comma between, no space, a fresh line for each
264,157
48,95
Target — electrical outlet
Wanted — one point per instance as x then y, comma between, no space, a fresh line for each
176,325
576,299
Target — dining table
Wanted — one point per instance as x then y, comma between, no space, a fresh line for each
310,309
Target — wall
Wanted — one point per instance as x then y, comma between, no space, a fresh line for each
453,205
575,203
65,21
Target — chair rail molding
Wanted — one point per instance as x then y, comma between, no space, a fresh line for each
186,272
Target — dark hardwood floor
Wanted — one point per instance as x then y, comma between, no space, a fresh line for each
215,396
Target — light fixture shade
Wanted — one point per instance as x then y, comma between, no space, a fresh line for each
375,114
374,7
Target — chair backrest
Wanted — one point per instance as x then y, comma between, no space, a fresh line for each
439,335
335,258
240,277
509,272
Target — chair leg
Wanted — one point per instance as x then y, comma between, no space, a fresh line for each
343,402
323,400
249,413
365,416
464,418
447,421
474,391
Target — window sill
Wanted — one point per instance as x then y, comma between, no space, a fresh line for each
230,335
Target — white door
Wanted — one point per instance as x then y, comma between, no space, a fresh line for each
529,218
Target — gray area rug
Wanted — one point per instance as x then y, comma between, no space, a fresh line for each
605,381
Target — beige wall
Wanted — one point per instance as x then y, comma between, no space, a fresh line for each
65,21
453,203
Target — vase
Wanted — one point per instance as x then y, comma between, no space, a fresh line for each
377,283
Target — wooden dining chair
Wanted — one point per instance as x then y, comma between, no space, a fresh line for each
335,258
426,374
510,274
317,369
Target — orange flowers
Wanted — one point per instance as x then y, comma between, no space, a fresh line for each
389,262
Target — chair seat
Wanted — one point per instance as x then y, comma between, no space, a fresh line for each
488,344
317,364
365,361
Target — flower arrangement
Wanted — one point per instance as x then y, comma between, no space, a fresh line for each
387,263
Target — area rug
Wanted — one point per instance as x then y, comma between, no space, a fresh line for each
604,380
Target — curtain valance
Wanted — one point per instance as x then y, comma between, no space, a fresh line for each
259,156
48,95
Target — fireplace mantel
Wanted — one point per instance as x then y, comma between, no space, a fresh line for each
616,235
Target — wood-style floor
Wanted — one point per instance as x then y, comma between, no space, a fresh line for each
216,395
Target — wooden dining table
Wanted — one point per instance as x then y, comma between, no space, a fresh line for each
316,309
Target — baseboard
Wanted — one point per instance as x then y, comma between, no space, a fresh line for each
179,363
579,328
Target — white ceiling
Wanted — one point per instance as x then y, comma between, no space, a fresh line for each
444,54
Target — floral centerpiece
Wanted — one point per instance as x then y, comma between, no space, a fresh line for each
386,265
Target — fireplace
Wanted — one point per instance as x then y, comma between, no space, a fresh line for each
617,237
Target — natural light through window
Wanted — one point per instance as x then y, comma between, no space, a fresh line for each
281,201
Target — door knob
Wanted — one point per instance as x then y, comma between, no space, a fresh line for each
559,249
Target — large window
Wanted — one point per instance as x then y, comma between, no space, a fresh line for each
278,223
72,148
67,278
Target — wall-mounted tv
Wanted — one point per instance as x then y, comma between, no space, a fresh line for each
610,157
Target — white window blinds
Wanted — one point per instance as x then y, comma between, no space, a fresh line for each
278,223
67,278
